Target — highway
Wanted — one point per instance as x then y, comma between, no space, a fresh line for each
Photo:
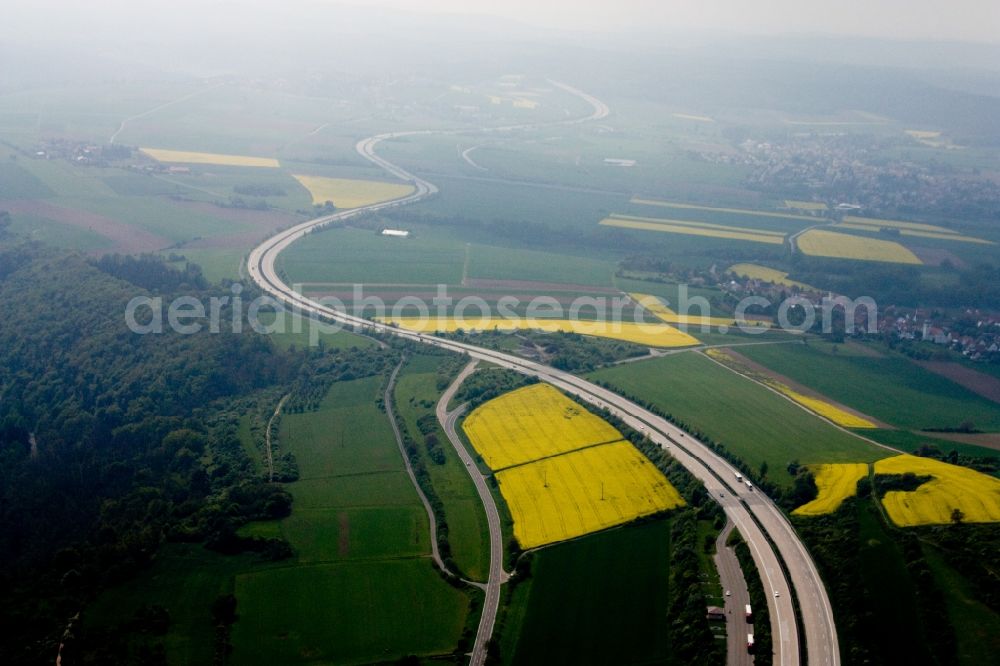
736,598
497,576
757,518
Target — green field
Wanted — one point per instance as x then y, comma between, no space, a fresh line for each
430,256
749,420
359,612
912,442
54,233
600,600
363,256
185,579
890,591
16,182
361,541
977,627
303,332
468,533
889,387
497,263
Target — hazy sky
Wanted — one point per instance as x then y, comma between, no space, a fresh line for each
963,20
972,20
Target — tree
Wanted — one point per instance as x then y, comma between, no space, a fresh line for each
763,469
957,516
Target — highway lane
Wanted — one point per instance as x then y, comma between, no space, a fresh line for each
741,504
497,576
736,597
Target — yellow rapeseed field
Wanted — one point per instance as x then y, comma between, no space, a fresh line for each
755,272
648,334
951,236
836,482
668,316
825,409
805,205
584,491
185,157
688,116
896,224
533,422
975,494
822,243
351,193
741,211
695,229
697,224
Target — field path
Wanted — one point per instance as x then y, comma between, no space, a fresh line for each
147,112
267,437
431,519
497,576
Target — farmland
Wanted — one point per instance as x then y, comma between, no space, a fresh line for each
415,397
346,613
822,243
187,157
806,205
758,426
909,229
564,613
649,334
836,482
895,224
716,209
765,274
562,471
351,193
583,491
683,227
830,412
888,387
533,422
655,306
974,494
361,541
814,403
433,255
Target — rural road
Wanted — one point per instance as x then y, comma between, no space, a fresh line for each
731,577
267,436
431,519
497,575
758,519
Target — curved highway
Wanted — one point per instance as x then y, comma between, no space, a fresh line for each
497,576
758,519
